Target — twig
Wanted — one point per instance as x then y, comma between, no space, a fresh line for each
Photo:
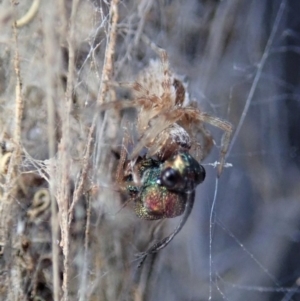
50,58
19,98
10,188
63,196
30,14
86,245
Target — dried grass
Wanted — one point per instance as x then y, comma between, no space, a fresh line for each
62,235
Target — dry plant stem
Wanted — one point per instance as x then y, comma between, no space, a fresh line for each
87,227
64,157
110,51
83,293
10,188
6,223
30,14
61,9
51,63
15,158
106,76
19,99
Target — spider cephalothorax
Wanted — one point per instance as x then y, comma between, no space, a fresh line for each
167,120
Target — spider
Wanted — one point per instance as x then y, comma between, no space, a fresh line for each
167,120
168,124
166,190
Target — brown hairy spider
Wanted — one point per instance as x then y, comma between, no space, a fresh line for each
167,121
168,125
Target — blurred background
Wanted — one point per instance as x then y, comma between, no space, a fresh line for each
241,242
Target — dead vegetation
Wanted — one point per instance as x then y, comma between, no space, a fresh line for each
62,233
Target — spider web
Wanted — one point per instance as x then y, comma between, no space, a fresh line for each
269,269
241,60
237,243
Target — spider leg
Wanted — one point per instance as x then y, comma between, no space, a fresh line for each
160,141
142,97
192,115
188,115
156,126
163,55
164,242
123,169
170,141
227,128
136,86
166,84
121,163
208,142
121,104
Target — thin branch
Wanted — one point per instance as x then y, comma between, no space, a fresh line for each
30,14
50,57
64,194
